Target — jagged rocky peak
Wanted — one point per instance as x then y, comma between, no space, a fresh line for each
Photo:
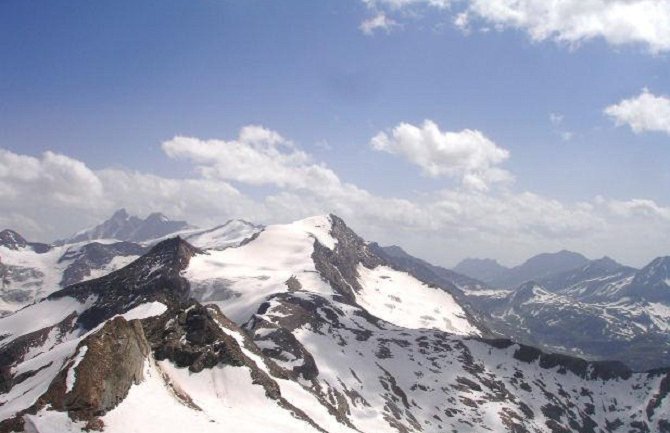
125,227
12,240
175,251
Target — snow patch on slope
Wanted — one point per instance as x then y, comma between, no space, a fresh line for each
401,299
146,310
71,373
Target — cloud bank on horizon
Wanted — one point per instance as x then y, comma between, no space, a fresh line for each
468,218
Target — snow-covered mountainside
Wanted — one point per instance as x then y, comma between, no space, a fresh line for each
30,271
28,274
302,327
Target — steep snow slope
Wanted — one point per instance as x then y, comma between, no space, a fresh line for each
239,279
399,298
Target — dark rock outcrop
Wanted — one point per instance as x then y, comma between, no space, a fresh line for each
113,362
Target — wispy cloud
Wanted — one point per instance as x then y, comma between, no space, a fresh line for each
378,22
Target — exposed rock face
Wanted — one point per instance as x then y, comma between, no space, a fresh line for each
338,266
12,240
112,363
191,338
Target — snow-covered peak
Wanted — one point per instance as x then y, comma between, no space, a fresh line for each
319,227
240,278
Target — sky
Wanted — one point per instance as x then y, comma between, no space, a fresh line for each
454,128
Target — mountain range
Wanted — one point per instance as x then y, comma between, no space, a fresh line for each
537,267
299,327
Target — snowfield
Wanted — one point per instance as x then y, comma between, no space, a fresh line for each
401,299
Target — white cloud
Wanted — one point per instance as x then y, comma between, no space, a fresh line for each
645,112
73,183
639,208
618,22
257,157
54,195
378,22
468,155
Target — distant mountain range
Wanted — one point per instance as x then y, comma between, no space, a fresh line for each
599,309
124,227
538,267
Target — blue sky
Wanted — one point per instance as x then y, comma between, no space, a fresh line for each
107,83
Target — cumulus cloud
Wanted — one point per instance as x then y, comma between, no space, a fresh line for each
468,154
54,195
645,112
618,22
378,22
72,183
257,157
